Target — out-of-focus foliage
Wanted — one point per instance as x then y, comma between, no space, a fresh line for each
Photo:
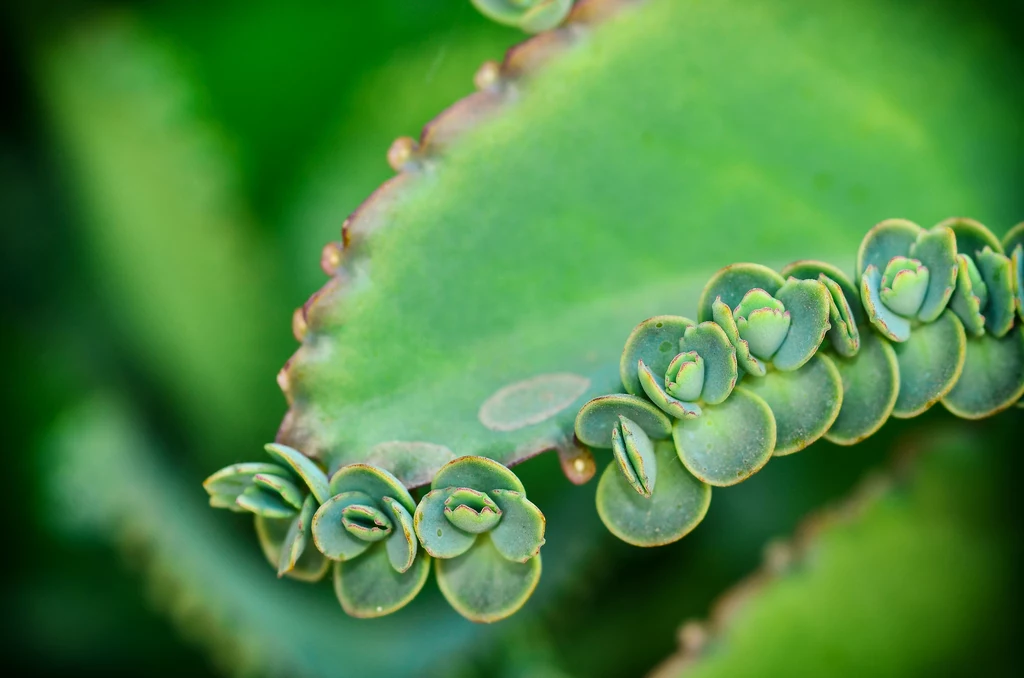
169,173
855,593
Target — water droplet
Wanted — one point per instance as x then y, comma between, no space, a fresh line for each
665,347
531,401
439,532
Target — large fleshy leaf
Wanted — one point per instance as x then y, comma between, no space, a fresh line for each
470,286
930,364
485,586
804,402
871,383
676,506
729,442
992,378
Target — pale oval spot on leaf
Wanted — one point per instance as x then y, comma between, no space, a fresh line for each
531,401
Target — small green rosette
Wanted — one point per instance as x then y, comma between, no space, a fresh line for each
283,497
484,535
366,527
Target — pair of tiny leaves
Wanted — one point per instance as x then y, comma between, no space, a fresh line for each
946,297
283,496
484,535
476,522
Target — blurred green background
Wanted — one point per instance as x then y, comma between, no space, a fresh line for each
169,172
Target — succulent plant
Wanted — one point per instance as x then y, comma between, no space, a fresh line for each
484,535
366,527
283,497
776,326
533,16
986,300
907,276
642,491
866,363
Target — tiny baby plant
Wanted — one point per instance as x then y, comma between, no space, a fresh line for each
775,361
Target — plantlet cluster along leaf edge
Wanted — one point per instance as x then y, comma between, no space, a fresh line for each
777,361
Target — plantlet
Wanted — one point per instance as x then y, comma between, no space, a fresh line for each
706,404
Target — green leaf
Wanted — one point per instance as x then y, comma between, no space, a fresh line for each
887,239
304,467
678,503
935,249
892,325
992,378
1013,242
282,487
655,341
653,389
729,442
294,544
330,537
226,484
930,364
923,548
1018,279
375,482
904,285
807,302
996,270
970,296
710,342
478,473
971,236
520,533
402,545
724,318
470,510
265,503
597,419
439,537
366,522
273,533
368,586
844,309
732,283
804,402
871,383
634,453
470,250
483,585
